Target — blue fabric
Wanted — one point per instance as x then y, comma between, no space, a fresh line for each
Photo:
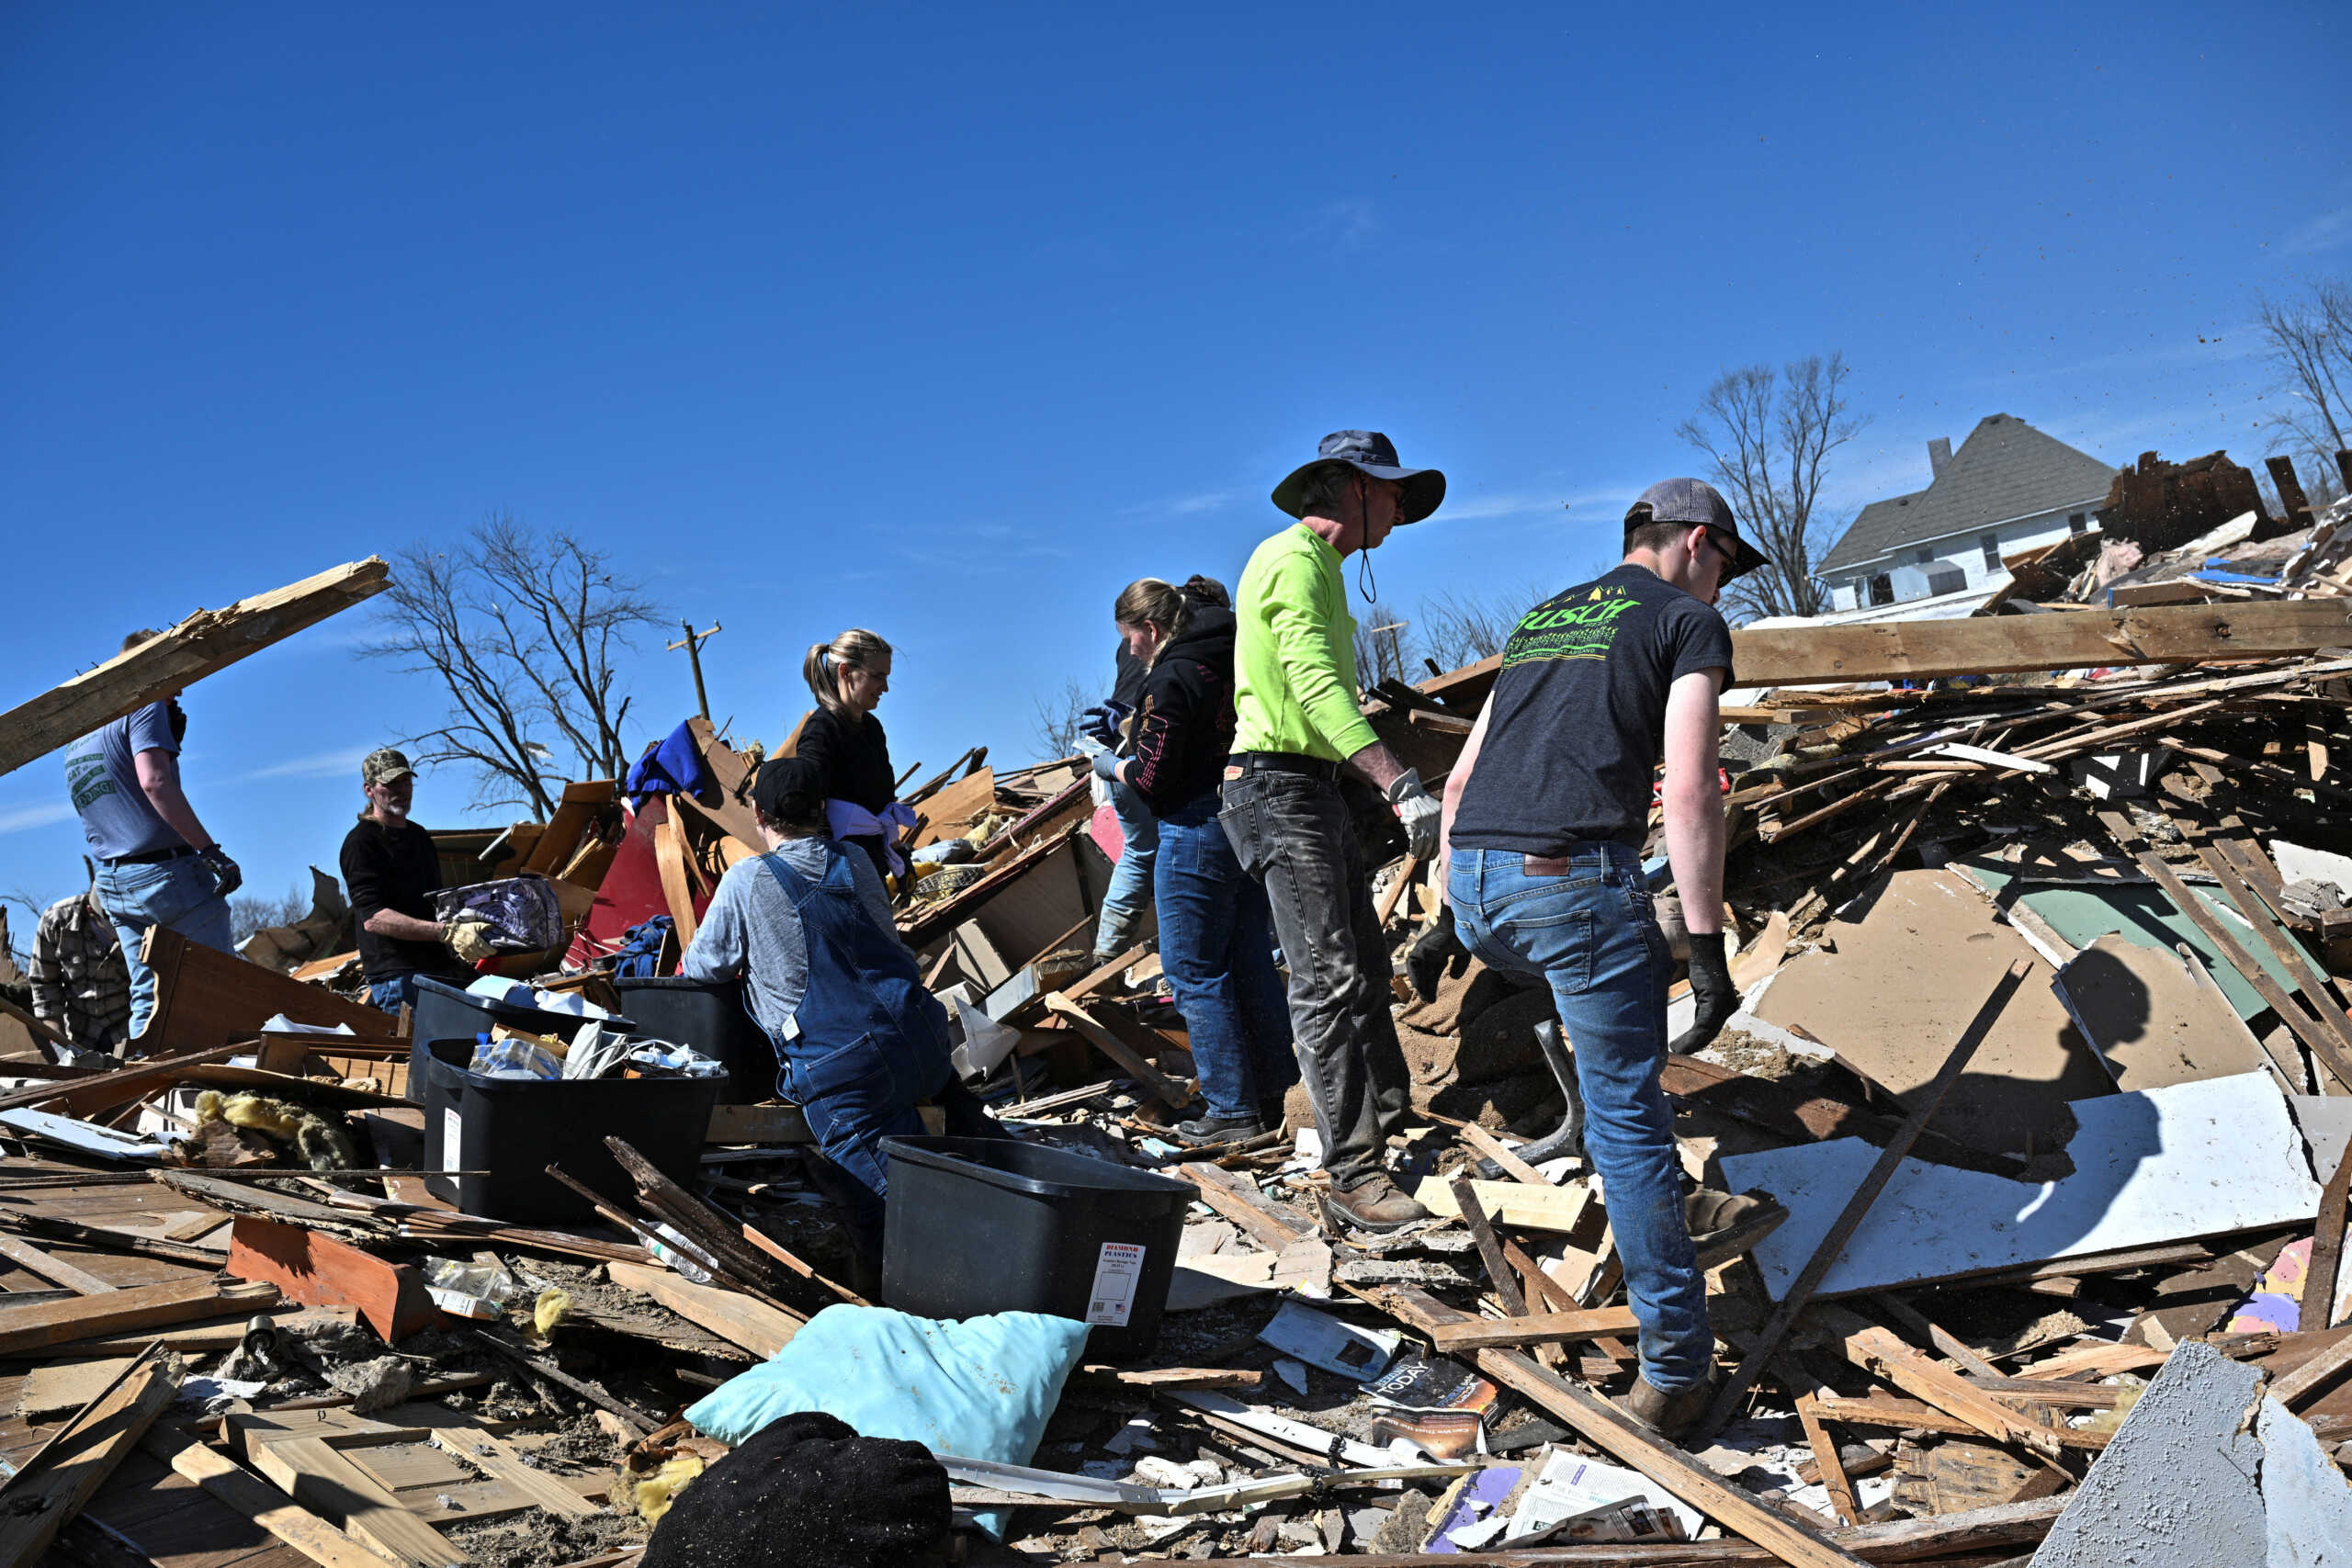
638,957
1217,943
1130,892
102,775
871,1040
181,894
393,993
1592,935
672,766
980,1388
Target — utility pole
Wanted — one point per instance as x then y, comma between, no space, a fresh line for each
693,644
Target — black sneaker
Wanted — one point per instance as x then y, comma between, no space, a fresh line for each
1207,1132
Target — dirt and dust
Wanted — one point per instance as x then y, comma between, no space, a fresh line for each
538,1539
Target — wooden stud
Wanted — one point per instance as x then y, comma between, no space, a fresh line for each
309,1470
271,1509
50,1488
1877,1350
30,1330
2327,1248
25,1253
1147,1076
732,1315
2299,1385
1825,1455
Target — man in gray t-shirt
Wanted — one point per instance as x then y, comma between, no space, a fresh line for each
156,864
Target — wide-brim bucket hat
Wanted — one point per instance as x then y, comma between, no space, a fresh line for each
1367,452
1695,500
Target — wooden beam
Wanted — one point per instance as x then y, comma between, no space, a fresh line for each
732,1315
207,641
1609,1429
1825,1455
1513,1204
2327,1248
26,1255
87,1097
1878,1350
1271,1224
1495,1149
238,1487
313,1268
1147,1076
29,1330
2299,1385
1532,1328
1841,1231
37,1499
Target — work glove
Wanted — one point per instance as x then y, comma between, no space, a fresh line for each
1418,810
1102,722
224,871
1106,766
1711,989
470,940
1428,958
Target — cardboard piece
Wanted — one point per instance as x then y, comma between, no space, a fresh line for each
2151,1020
1940,935
2195,1159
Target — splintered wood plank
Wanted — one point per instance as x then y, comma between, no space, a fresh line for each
51,1488
17,1250
1825,1456
240,1489
1148,1077
1878,1350
732,1315
1513,1204
28,1330
1537,1328
311,1472
498,1459
57,1387
207,641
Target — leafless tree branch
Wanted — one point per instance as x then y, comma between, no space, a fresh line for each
1768,436
2307,337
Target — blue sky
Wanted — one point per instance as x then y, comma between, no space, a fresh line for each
950,320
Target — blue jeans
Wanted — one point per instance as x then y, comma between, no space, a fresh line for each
1130,892
392,993
181,894
1592,936
1217,943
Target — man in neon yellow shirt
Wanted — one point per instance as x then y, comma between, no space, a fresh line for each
1298,728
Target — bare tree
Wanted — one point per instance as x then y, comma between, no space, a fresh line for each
251,912
2307,337
1384,646
1768,436
520,627
1459,629
1058,717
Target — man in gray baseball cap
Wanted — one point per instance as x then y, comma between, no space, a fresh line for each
1546,814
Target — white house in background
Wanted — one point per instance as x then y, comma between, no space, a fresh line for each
2008,487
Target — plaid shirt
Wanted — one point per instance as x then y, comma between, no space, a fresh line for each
79,981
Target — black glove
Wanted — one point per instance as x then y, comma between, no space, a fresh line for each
1106,766
224,869
1711,986
1426,959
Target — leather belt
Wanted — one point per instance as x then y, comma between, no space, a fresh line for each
151,857
1281,762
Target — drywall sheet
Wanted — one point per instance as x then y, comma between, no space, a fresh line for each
1913,961
2297,864
2142,915
2162,1165
2151,1020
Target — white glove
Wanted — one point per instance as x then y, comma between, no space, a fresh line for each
1418,810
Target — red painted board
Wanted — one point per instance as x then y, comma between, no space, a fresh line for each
318,1270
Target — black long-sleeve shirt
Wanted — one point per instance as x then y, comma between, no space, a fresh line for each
853,756
393,868
1184,729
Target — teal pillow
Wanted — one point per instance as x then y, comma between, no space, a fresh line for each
982,1388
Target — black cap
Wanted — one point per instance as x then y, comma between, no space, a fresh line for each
1367,452
789,789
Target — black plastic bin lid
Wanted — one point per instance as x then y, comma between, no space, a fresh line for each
1032,1168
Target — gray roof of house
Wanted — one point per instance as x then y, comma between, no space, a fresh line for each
2006,469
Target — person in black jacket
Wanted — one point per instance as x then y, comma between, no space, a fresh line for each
1217,938
841,734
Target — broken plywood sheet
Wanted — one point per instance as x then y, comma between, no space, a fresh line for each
2151,1020
2162,1165
2186,1484
2142,915
1918,956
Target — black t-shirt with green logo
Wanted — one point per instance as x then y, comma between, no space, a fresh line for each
1577,716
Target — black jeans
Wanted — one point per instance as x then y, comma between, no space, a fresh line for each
1292,832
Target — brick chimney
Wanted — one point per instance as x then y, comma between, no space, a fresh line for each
1939,455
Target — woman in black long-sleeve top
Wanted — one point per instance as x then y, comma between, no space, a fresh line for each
848,676
1216,934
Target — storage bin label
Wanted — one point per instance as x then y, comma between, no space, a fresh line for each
1116,1269
453,1127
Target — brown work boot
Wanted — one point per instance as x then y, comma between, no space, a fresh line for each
1724,1224
1670,1415
1373,1204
